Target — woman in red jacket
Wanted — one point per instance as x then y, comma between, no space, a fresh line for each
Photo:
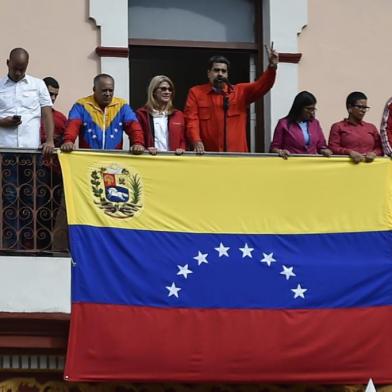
353,136
162,124
300,132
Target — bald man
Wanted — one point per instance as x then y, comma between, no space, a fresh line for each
23,101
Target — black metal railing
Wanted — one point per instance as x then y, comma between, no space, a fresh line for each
32,204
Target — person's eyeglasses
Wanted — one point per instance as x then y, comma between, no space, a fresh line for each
311,109
165,89
361,107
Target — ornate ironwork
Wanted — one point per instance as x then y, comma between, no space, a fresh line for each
32,204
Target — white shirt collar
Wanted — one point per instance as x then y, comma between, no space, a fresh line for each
8,80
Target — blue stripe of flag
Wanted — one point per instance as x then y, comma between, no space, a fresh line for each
146,268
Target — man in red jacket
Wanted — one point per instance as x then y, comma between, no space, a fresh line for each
216,112
58,117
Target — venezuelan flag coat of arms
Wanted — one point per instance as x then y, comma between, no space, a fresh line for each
116,191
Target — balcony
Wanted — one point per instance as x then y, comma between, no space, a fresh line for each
32,206
35,291
34,264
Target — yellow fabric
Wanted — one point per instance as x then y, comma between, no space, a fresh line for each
258,195
96,112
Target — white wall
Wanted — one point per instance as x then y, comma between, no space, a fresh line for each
283,20
112,18
35,284
61,41
347,47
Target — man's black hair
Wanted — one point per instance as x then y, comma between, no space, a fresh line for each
218,59
353,97
102,76
52,82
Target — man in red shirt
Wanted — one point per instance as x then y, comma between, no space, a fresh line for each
58,117
52,177
216,112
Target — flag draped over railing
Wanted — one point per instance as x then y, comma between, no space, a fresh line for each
229,268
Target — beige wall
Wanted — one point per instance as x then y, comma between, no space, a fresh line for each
347,47
61,41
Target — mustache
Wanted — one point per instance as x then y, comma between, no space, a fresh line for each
221,79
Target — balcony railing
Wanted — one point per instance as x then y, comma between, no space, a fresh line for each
32,204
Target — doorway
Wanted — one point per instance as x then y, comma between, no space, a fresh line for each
186,67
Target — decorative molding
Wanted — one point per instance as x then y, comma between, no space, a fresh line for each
30,362
112,19
44,332
44,382
106,51
193,44
47,343
293,58
34,316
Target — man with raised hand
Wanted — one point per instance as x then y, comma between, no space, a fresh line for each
216,112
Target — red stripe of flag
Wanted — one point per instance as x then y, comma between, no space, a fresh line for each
111,342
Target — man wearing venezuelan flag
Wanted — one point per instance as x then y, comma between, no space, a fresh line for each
100,120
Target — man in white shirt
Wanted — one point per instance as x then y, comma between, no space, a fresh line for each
23,100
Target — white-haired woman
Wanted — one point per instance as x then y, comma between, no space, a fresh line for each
162,124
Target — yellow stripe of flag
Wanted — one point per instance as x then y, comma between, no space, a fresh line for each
227,194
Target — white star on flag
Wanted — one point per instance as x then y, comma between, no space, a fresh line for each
268,259
201,258
222,250
287,272
299,291
173,290
184,270
246,251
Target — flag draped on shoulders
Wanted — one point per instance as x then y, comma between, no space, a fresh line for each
229,269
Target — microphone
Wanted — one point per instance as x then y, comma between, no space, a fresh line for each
225,103
218,82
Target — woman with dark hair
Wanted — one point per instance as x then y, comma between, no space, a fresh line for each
162,124
299,132
353,136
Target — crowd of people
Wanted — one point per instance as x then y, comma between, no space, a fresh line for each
214,118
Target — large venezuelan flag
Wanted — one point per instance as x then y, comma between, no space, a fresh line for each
229,268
